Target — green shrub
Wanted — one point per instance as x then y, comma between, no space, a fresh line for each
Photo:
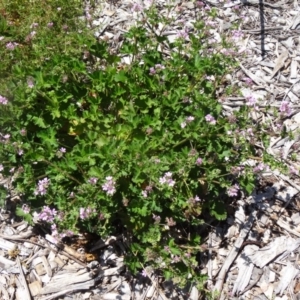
107,146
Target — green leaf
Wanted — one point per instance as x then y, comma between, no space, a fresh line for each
39,121
120,77
25,216
218,210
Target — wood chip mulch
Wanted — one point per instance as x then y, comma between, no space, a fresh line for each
254,254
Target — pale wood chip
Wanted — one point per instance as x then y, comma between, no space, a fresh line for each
245,269
281,223
234,252
35,288
71,289
64,281
266,254
46,265
26,295
287,275
280,62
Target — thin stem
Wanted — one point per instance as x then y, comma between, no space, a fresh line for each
62,171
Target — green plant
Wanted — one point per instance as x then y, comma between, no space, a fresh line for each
100,143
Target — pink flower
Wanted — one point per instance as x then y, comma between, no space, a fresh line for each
260,168
156,218
62,150
23,131
285,108
200,4
247,80
109,186
42,187
189,119
182,34
85,213
176,259
136,7
30,83
237,34
34,25
144,273
26,208
159,67
93,180
11,45
47,214
32,33
293,170
197,199
167,180
233,190
3,100
152,71
251,101
210,119
50,25
54,231
199,161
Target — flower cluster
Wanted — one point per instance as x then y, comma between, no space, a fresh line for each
136,7
3,100
156,218
30,82
285,108
156,68
47,214
260,168
237,34
187,120
11,45
227,52
183,34
26,208
251,101
199,161
54,231
85,213
147,190
247,80
93,180
167,179
23,131
194,200
62,150
237,170
293,170
210,119
109,186
42,186
233,190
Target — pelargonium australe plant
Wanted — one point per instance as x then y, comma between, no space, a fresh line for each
103,144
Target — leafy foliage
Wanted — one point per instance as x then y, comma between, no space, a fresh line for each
102,142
